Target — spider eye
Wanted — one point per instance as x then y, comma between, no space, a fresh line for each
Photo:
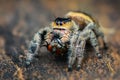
61,24
61,21
56,23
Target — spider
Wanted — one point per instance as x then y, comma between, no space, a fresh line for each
68,36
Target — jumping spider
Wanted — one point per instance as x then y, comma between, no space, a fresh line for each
68,35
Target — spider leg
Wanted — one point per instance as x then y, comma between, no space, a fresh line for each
99,34
35,43
71,53
80,52
71,60
77,48
94,43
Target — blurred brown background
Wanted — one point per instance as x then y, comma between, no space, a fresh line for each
20,19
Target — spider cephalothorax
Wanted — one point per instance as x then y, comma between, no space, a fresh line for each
60,35
65,36
65,23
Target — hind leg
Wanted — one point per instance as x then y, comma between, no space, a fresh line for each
95,44
100,36
96,28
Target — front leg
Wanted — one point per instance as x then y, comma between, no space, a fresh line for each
33,49
34,45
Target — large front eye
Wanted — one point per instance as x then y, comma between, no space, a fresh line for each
60,23
56,23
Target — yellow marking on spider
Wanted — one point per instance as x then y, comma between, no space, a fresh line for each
80,15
